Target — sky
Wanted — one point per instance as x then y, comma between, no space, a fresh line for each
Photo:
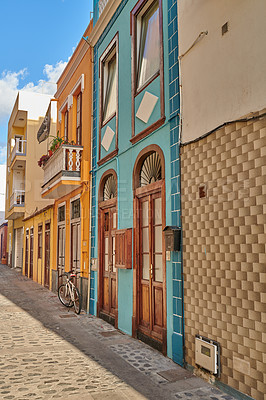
37,38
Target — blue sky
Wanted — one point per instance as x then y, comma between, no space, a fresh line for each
37,37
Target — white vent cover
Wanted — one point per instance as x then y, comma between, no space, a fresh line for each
206,355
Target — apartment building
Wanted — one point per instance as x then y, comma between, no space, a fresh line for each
23,176
66,169
135,283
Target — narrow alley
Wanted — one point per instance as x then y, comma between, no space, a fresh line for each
48,352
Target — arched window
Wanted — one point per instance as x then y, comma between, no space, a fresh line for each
151,169
109,188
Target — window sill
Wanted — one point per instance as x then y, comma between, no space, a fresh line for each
108,120
108,157
143,87
148,130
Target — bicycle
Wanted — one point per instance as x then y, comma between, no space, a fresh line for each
68,293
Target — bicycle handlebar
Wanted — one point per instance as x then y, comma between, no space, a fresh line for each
69,273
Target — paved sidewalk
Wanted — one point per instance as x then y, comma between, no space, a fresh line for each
47,352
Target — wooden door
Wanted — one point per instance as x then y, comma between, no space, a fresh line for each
75,246
109,278
61,250
31,254
27,255
151,267
47,256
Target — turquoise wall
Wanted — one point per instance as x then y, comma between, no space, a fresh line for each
123,164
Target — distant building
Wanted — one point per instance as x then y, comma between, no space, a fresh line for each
24,177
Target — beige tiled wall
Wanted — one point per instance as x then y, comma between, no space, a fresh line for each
225,250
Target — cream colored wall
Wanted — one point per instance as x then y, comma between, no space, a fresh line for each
34,173
223,77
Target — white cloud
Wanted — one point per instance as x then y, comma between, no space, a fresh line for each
52,72
2,155
10,82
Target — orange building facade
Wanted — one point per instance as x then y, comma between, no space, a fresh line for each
66,173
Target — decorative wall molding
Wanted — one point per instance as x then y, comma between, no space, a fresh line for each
103,21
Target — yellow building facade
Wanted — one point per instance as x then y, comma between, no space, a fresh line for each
23,196
66,173
38,244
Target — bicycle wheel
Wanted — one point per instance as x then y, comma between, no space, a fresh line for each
77,300
64,295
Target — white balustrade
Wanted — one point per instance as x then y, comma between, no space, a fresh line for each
101,5
19,148
17,198
66,158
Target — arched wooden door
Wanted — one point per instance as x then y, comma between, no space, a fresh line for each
107,283
149,319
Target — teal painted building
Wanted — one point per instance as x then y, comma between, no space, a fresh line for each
135,283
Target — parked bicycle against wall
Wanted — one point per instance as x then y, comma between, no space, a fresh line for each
68,293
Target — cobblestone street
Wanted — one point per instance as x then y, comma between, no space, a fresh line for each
48,352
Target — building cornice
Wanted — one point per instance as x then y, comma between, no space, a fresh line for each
72,69
103,21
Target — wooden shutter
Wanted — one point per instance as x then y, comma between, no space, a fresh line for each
123,252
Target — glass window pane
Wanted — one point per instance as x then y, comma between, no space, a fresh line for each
158,211
106,254
158,238
114,220
78,110
145,213
75,209
149,50
145,266
66,126
158,268
61,213
110,90
113,255
145,240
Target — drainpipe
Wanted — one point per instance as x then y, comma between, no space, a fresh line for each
90,192
118,190
89,255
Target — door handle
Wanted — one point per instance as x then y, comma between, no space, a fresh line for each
151,271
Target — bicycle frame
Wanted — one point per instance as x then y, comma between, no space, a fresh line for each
69,289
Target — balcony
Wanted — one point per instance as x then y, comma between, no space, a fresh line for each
17,204
62,172
18,155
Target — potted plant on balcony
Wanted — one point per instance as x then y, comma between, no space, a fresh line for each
56,142
43,160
